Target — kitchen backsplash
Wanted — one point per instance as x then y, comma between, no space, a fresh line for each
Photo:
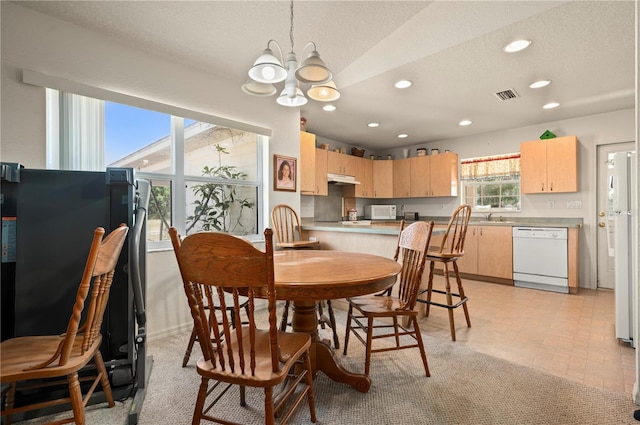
329,208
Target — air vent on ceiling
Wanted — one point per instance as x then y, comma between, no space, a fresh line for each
506,94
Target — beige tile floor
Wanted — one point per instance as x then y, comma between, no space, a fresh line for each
567,335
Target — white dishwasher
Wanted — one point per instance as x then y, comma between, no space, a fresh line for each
540,258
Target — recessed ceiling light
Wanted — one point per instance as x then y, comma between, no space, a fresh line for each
373,124
402,136
328,108
551,105
403,84
539,84
516,46
465,122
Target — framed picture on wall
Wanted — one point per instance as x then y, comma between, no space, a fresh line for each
284,173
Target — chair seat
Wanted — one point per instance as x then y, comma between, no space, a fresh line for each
298,244
442,256
18,354
381,306
292,345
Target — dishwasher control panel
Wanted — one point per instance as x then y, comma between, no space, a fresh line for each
540,232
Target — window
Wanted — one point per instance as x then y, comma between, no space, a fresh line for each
203,176
491,183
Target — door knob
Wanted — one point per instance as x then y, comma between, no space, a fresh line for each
602,224
601,213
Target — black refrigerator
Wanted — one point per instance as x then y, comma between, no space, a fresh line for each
48,219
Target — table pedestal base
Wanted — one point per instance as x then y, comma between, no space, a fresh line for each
305,319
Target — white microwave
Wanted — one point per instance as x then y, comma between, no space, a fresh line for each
380,212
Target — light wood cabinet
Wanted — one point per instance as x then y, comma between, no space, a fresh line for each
340,163
434,175
364,174
382,179
443,174
549,166
402,178
420,169
488,251
307,173
321,185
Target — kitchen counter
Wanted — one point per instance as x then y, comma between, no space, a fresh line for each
390,227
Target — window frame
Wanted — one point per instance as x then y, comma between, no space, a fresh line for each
177,179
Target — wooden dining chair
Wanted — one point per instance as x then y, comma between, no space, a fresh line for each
245,355
368,316
30,362
244,304
451,248
286,225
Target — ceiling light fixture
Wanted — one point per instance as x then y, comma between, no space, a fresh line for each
268,70
329,108
540,84
402,136
465,123
516,46
373,124
403,84
551,105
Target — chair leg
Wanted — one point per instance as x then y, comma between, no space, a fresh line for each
104,379
9,401
310,395
320,314
348,331
243,398
269,412
416,328
462,295
367,360
202,395
396,330
76,398
432,265
285,316
187,354
332,322
452,325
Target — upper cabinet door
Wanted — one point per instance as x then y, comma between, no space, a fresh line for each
444,174
533,166
383,179
321,184
401,178
562,164
307,163
420,176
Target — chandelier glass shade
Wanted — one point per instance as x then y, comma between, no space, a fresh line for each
268,70
325,92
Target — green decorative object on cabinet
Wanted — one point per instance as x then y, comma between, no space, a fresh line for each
547,135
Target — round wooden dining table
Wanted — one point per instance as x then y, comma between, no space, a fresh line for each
308,276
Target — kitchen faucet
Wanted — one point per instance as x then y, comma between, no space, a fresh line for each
487,216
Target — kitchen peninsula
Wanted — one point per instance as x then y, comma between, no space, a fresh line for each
488,246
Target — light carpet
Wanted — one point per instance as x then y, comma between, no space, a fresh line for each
465,387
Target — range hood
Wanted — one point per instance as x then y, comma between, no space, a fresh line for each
341,179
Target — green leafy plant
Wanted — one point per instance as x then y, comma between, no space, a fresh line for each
214,200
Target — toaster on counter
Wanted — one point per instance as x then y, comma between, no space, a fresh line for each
411,216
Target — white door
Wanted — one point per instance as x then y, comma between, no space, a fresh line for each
605,221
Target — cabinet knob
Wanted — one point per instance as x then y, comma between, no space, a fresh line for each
602,224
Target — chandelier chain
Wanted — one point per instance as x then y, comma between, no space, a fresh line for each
291,26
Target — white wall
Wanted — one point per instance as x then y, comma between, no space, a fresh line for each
30,40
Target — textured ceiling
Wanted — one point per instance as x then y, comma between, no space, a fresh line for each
451,50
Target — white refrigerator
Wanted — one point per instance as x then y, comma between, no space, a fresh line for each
624,185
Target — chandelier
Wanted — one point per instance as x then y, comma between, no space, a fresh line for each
268,70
